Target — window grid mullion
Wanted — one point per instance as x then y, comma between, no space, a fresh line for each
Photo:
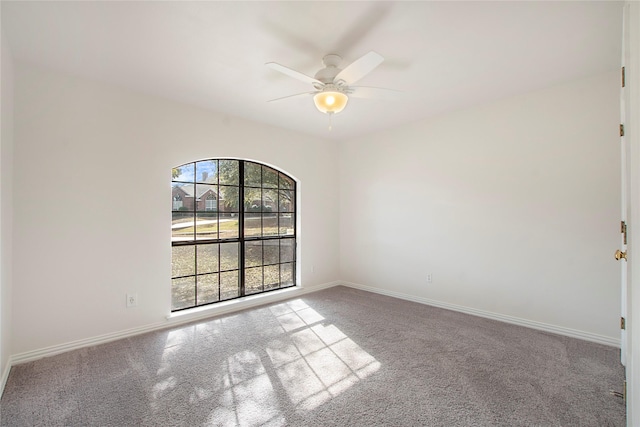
195,278
195,233
241,221
262,224
219,274
279,262
262,266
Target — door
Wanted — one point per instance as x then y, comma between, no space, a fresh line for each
625,184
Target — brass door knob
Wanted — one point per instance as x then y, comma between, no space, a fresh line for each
621,255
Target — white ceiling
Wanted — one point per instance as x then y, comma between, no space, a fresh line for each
442,55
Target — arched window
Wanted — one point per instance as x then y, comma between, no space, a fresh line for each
233,231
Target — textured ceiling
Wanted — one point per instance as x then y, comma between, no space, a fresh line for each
442,55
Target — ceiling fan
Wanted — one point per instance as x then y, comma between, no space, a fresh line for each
332,84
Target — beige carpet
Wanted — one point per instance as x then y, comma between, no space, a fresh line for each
338,357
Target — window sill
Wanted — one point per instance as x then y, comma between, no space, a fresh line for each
233,305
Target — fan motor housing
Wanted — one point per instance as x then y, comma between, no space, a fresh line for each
331,70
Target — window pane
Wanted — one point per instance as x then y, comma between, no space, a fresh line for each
271,251
229,172
286,224
252,225
253,253
252,199
181,196
207,258
229,256
271,276
287,201
287,250
183,173
183,261
208,290
229,226
270,224
228,199
253,280
207,171
183,293
182,226
206,226
285,181
252,174
286,275
229,285
269,177
206,197
269,200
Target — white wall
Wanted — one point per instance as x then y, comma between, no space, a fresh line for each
92,201
6,171
513,207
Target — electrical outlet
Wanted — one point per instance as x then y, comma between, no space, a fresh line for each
132,300
429,278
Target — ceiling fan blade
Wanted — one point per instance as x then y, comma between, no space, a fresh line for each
292,96
370,92
365,24
293,73
296,41
360,68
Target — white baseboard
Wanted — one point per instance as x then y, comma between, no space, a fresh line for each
172,320
5,375
560,330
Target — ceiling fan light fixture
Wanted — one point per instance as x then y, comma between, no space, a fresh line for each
330,102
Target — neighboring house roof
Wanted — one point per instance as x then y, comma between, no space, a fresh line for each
200,190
